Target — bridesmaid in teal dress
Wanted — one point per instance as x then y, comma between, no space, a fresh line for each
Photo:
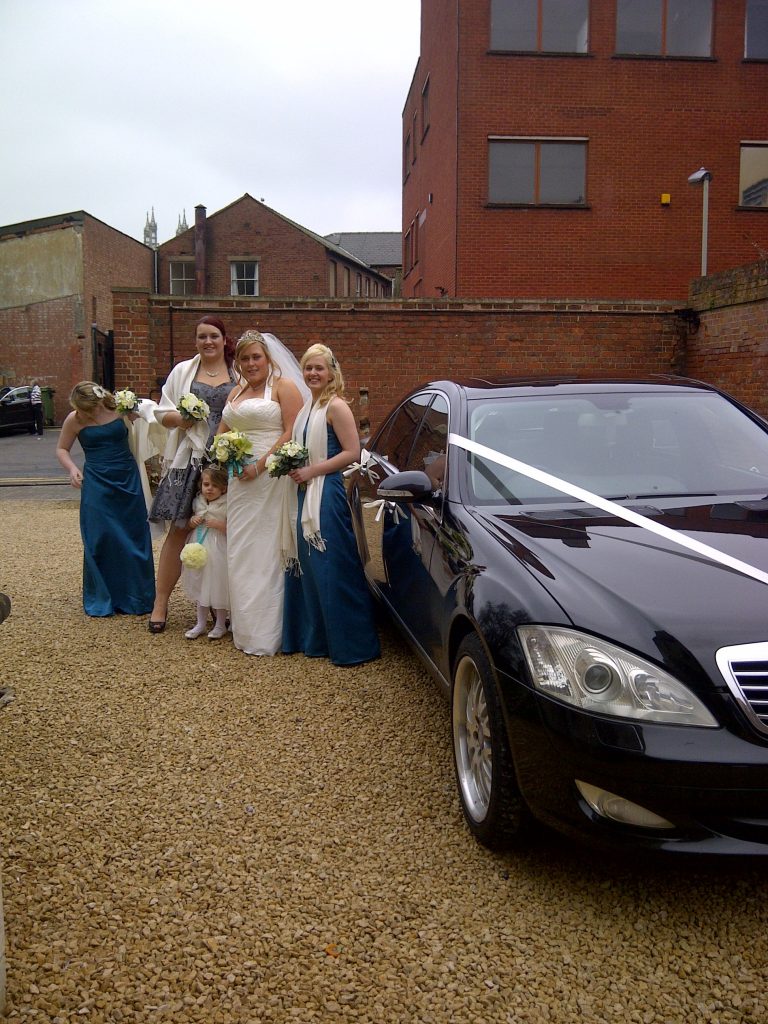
118,571
327,609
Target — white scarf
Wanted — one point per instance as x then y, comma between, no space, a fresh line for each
314,418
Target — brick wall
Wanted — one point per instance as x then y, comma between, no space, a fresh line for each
45,347
649,124
730,346
110,259
389,347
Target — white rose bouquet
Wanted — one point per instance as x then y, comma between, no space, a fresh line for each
127,401
231,450
192,407
289,456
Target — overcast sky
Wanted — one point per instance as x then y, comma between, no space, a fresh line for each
116,106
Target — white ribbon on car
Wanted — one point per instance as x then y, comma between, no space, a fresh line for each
611,507
363,467
385,505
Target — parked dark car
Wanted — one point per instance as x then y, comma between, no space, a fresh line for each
16,409
603,678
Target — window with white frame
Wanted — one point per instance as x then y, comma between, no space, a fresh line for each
753,174
537,172
543,26
244,277
182,277
756,30
665,28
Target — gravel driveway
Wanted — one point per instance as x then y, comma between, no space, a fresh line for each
189,834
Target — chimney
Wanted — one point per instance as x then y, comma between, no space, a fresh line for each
200,261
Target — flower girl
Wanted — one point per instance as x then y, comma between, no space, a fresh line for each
204,558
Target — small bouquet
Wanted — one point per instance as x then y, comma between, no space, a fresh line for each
231,450
127,401
289,456
192,407
194,555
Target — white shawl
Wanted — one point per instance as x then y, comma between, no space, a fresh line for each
183,446
314,418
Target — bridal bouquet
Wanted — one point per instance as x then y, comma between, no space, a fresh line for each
289,456
231,451
127,401
192,407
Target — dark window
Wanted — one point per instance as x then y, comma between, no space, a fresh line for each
397,438
244,278
425,108
537,172
407,156
182,278
548,26
753,174
669,28
756,30
429,450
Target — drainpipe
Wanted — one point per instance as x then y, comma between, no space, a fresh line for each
200,250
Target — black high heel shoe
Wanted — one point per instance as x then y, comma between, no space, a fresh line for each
156,627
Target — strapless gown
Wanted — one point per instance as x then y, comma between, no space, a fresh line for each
254,521
118,572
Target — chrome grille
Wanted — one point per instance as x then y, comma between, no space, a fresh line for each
745,670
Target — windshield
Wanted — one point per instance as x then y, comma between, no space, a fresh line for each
618,445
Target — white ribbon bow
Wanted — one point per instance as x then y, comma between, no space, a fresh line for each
384,505
363,467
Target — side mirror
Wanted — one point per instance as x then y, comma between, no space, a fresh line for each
412,485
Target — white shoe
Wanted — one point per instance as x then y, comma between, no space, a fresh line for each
195,632
218,632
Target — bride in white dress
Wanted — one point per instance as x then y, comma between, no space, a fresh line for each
263,406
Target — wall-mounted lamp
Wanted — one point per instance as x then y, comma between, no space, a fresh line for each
703,177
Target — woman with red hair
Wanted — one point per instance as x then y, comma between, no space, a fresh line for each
209,376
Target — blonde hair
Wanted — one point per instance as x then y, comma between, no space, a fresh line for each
250,338
335,386
86,395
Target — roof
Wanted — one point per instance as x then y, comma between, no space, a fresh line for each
327,242
58,220
376,248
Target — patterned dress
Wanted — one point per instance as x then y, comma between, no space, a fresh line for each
176,491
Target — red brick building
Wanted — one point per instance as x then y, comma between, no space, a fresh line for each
249,249
56,280
547,146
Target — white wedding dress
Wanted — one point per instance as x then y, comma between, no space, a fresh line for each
254,520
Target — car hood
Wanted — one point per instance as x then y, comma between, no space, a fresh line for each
612,577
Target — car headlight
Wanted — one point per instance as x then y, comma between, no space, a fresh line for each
597,676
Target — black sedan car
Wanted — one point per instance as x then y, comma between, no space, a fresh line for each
583,566
16,409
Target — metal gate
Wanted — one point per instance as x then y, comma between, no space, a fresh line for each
103,346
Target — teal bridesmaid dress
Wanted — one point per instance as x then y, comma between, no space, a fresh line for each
118,571
328,611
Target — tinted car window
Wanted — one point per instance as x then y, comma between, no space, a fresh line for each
428,452
619,445
396,439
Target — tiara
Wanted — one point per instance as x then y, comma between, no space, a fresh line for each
251,335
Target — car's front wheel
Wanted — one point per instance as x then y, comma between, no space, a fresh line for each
485,774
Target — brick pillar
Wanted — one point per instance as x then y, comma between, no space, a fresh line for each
134,362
